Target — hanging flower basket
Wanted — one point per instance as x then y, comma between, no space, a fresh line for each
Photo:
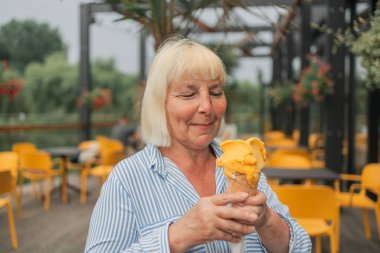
10,85
314,85
96,99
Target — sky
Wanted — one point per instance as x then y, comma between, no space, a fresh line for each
108,39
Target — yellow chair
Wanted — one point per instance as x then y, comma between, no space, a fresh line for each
79,165
316,209
369,180
20,147
292,151
108,160
108,145
316,141
38,166
273,135
293,161
10,162
6,187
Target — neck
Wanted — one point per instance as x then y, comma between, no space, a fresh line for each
197,165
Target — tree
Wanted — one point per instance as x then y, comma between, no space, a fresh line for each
55,83
23,42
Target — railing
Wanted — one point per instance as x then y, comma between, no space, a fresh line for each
49,134
55,126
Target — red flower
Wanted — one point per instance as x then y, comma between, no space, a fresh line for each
14,86
96,99
3,89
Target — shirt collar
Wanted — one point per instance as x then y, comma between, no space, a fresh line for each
157,164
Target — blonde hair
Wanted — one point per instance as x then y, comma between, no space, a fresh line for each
176,58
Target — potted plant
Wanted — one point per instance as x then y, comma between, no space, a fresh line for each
96,99
314,84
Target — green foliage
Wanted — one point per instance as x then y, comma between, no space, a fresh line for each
52,87
23,42
229,55
163,18
125,92
282,93
243,108
363,42
367,46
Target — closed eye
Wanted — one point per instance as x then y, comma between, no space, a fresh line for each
216,94
187,96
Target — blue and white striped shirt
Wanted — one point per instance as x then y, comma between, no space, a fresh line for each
146,192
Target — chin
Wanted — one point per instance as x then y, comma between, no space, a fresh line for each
204,140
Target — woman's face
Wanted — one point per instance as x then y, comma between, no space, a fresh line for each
194,111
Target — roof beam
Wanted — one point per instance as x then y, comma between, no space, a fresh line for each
237,29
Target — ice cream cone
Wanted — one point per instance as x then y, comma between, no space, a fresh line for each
241,184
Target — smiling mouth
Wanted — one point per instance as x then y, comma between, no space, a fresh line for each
206,124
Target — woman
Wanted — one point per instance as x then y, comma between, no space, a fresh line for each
169,196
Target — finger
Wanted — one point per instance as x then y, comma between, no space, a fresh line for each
229,198
259,199
234,227
230,237
246,214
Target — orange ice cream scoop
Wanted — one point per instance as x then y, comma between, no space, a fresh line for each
243,161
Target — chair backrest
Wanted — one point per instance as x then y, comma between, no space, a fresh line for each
311,201
274,135
85,144
290,161
9,161
108,143
112,158
6,184
21,147
371,176
282,143
316,140
295,151
36,161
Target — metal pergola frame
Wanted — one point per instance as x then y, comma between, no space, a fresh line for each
282,56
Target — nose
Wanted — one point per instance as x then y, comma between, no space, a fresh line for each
205,104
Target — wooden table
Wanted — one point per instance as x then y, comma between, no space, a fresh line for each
65,153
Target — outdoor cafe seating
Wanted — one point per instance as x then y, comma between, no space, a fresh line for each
7,187
39,166
316,209
10,162
111,152
358,194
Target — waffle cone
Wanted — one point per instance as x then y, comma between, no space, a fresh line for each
240,184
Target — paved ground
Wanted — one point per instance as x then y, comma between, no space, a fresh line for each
64,228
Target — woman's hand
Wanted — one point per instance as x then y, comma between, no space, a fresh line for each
257,206
212,218
274,232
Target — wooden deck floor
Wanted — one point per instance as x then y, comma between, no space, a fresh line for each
64,228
